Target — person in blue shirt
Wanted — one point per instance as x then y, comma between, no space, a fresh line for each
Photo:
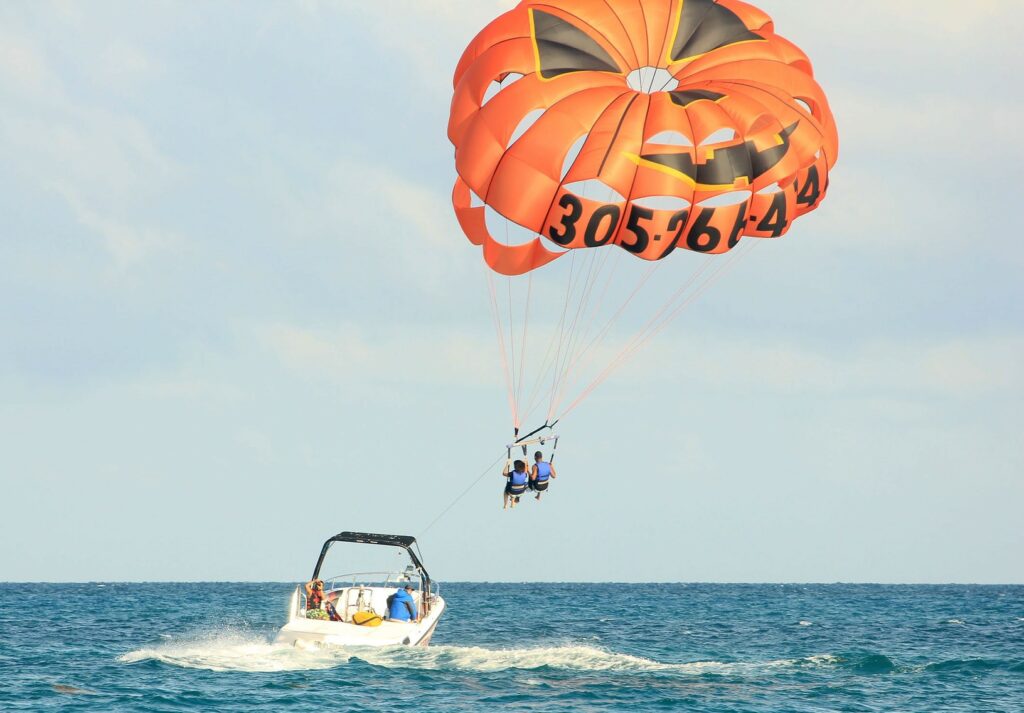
518,480
402,606
540,474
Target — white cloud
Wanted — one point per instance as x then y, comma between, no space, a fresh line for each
925,123
962,367
183,386
388,196
942,21
124,63
101,162
23,69
127,243
397,226
351,355
427,35
869,25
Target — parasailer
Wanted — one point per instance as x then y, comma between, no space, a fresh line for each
517,478
658,127
541,474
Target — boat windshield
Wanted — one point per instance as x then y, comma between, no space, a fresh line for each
374,579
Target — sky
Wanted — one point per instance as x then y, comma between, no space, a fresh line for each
237,315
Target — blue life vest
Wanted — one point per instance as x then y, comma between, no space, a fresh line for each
543,471
515,478
401,606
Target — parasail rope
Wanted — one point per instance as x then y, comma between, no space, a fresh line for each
563,367
561,321
512,354
461,495
557,335
496,314
570,366
650,330
600,336
602,293
581,335
701,289
522,354
582,302
679,293
647,332
546,364
577,340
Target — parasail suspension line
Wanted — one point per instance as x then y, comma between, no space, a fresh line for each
460,496
661,320
496,314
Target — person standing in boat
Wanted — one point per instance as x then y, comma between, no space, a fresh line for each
315,600
518,479
402,606
540,474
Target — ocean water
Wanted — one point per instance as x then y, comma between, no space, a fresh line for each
524,647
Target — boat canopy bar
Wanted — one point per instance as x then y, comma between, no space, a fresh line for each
406,542
369,538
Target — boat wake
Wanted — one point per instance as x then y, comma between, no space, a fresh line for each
236,651
233,651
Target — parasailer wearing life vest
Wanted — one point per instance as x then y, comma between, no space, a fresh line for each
315,600
518,480
541,474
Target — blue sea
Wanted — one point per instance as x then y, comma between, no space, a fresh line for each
523,647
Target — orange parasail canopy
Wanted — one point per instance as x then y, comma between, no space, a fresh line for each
647,124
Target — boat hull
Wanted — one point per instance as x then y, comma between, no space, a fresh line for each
300,631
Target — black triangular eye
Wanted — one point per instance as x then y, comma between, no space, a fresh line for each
704,25
562,48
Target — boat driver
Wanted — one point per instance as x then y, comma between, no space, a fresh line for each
517,482
540,474
401,605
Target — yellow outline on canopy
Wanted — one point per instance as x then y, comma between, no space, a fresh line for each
740,182
536,49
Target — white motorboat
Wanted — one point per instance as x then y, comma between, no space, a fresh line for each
359,603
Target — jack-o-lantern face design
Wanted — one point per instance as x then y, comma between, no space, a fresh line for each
652,126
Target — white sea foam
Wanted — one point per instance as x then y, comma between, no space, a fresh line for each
954,621
479,659
804,622
232,651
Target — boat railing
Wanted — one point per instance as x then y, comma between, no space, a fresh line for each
383,578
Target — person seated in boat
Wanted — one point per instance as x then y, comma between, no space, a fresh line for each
540,474
332,612
518,478
401,605
315,599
